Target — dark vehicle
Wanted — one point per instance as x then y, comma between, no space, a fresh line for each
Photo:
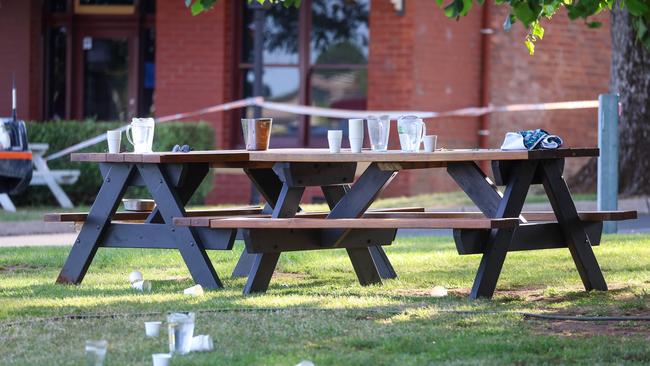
15,156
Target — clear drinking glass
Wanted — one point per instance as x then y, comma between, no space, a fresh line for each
378,131
96,352
257,133
180,330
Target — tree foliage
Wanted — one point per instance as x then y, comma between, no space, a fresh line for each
530,12
527,12
199,6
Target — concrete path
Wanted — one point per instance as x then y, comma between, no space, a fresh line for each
38,240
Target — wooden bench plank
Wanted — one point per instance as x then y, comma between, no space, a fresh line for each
138,216
204,221
362,223
417,213
185,221
530,215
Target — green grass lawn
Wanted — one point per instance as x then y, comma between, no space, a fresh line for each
316,310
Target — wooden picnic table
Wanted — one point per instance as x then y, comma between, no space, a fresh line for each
281,176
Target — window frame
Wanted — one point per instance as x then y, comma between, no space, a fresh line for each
132,25
305,70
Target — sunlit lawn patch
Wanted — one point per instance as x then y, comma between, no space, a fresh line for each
316,310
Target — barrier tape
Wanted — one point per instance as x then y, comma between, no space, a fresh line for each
340,113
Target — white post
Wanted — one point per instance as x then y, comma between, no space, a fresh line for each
608,160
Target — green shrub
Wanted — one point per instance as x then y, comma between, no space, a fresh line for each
61,134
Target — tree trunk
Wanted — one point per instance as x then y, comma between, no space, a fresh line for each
630,77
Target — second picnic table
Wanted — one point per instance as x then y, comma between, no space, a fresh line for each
281,176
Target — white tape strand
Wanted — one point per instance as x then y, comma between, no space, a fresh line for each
342,113
215,108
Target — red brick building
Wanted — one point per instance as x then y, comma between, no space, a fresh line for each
78,59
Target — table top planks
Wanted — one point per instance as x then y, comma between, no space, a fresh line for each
235,158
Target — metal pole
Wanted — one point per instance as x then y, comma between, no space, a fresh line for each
258,56
608,159
258,71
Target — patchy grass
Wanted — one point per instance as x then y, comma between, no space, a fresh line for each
316,310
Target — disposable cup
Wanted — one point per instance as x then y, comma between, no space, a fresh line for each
96,352
334,138
355,128
161,359
202,343
196,290
144,286
430,143
356,144
152,329
114,139
135,276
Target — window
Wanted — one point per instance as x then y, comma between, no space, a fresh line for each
104,69
314,55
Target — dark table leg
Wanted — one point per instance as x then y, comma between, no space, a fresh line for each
269,186
488,199
170,205
107,200
573,229
353,204
333,194
264,263
194,174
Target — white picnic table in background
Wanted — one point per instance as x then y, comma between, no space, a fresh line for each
43,176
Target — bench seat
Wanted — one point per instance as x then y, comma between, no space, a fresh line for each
378,215
200,215
367,222
141,216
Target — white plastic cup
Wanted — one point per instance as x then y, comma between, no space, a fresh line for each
143,286
355,128
135,276
430,143
202,343
161,359
355,134
96,352
196,290
356,145
438,291
152,329
334,138
114,139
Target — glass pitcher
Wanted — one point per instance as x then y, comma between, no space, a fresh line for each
140,134
411,131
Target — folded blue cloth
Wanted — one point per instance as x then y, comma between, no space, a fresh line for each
531,140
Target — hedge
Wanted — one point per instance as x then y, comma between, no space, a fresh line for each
61,134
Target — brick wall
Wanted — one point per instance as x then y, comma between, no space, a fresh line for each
424,61
419,60
193,62
20,28
571,63
194,69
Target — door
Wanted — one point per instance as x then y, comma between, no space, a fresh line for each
107,75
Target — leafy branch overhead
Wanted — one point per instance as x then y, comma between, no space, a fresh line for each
199,6
530,12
